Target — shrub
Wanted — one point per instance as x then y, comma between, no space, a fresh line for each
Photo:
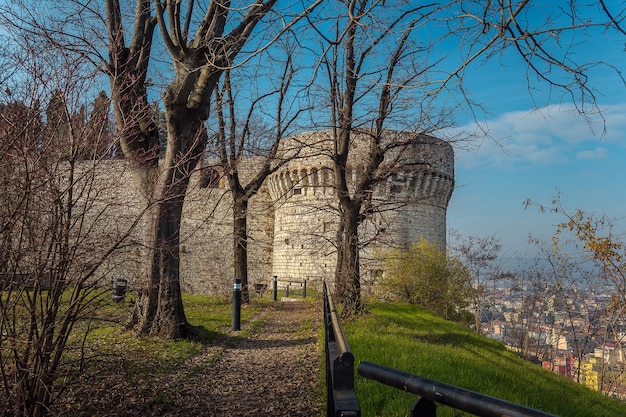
424,275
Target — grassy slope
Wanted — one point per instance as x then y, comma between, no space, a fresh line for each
406,337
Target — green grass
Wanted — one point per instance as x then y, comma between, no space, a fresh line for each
210,316
408,338
400,336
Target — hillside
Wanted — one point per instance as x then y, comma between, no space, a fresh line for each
408,338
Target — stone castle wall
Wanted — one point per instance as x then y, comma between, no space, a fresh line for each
293,219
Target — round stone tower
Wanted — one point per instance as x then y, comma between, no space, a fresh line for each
414,200
410,204
305,210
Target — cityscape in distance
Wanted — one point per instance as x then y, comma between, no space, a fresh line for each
571,327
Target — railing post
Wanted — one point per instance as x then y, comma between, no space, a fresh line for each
330,403
423,408
341,398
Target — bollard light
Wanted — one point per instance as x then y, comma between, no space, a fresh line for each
236,325
119,289
275,288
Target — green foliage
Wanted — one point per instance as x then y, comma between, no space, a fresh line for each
426,276
408,338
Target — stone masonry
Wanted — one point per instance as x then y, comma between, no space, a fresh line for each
293,219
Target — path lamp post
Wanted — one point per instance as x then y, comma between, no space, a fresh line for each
275,288
237,305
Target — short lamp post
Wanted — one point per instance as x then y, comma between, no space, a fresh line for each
237,305
275,288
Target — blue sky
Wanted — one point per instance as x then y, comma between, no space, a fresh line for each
541,153
541,146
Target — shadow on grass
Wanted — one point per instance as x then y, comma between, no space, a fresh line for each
444,339
201,334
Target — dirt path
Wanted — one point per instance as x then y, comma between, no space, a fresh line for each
269,368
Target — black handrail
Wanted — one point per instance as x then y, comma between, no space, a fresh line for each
430,391
341,398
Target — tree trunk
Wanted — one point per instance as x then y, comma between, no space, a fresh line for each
347,276
477,315
159,308
240,244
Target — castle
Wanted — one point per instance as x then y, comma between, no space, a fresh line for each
292,220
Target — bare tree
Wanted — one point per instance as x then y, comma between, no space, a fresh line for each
124,56
383,72
159,308
203,41
587,260
365,69
254,139
479,255
53,229
527,296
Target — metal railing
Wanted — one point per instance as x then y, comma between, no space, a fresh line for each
430,392
341,398
295,288
291,288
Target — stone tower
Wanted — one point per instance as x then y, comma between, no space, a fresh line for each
411,204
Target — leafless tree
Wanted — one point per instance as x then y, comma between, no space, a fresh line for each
368,67
202,39
381,64
54,231
480,256
248,137
586,259
528,316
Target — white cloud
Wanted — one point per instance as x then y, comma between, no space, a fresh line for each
545,136
597,153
